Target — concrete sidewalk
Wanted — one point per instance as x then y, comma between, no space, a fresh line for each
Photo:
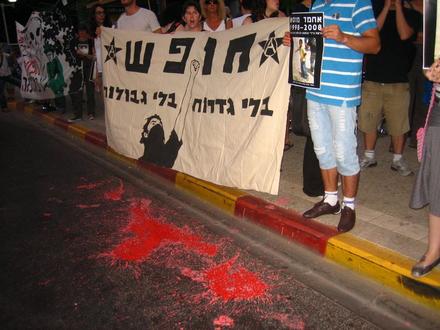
386,241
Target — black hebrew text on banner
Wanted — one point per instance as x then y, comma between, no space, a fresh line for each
306,49
212,105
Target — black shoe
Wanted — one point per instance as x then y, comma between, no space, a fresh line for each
347,221
420,270
322,208
74,119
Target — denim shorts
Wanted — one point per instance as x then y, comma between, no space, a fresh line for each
333,130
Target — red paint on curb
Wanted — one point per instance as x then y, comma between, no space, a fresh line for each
61,123
96,138
166,173
285,222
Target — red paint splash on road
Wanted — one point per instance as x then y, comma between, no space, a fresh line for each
223,321
151,233
234,283
116,194
88,186
88,206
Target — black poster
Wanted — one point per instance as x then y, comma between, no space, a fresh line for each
306,49
429,32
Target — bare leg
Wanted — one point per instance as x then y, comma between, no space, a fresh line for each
330,179
433,251
398,143
350,185
370,140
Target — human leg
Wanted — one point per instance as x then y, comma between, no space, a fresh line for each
345,141
370,114
77,105
395,105
312,179
321,128
3,104
432,255
90,91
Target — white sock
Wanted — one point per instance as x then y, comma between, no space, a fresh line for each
370,154
331,197
349,202
397,157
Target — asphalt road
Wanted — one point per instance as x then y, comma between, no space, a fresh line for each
86,242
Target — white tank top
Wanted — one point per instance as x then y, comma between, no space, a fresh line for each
221,27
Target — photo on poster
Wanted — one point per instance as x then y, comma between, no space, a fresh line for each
306,49
431,43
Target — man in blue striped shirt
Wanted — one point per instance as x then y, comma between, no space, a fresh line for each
349,31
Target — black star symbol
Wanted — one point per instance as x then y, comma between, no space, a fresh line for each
111,51
270,48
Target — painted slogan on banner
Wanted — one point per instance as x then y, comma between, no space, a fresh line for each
49,67
212,105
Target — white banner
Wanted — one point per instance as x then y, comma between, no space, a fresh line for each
212,105
48,59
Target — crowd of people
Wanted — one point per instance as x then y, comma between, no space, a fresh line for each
387,85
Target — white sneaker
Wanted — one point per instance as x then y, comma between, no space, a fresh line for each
367,162
401,167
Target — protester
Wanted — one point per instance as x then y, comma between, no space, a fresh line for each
419,86
426,189
192,17
265,9
5,72
98,19
215,16
136,18
246,8
85,53
386,88
332,108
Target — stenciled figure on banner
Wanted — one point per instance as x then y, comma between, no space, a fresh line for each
156,150
306,49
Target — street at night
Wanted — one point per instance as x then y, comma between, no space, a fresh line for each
88,243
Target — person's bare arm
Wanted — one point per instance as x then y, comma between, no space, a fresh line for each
380,20
403,28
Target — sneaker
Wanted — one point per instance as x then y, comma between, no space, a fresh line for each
401,167
367,162
91,117
74,119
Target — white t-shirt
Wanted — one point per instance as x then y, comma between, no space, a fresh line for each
238,21
142,20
